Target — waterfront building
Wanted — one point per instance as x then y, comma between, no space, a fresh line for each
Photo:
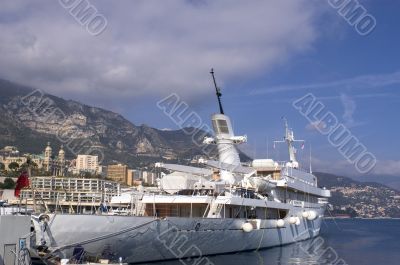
73,195
46,160
118,173
87,163
10,154
20,160
52,164
134,177
149,177
130,177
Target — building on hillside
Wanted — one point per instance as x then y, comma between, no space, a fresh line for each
149,177
20,160
130,177
87,163
10,154
38,160
9,151
134,177
118,173
52,164
48,153
61,160
46,160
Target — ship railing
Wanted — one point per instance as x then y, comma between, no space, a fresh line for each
206,210
287,177
323,201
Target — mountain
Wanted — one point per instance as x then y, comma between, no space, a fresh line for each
360,199
29,118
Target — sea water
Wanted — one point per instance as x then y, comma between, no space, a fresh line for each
342,241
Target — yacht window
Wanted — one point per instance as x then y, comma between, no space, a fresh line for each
214,124
223,126
282,213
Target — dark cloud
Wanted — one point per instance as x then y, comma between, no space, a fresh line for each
149,47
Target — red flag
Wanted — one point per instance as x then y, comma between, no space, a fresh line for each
22,182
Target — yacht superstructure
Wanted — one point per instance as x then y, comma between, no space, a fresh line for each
221,206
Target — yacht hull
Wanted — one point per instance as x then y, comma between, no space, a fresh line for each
144,239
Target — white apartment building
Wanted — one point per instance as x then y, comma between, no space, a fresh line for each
149,177
87,163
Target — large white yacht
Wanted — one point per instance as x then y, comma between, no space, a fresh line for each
221,206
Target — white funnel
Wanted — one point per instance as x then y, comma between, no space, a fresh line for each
224,138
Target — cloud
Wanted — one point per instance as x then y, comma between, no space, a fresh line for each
349,106
316,125
337,167
150,48
358,82
342,167
387,167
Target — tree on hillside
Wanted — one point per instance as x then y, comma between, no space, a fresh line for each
8,184
2,169
31,164
13,166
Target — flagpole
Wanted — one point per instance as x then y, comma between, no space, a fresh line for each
310,160
31,183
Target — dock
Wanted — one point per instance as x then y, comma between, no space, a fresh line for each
14,239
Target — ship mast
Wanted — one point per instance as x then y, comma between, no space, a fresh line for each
218,92
289,140
224,137
310,160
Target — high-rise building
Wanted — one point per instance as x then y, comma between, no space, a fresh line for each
87,163
118,173
134,175
149,177
130,177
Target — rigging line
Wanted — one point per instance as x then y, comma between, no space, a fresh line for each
238,213
102,237
260,257
262,238
334,219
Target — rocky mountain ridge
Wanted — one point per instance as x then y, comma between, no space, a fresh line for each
30,118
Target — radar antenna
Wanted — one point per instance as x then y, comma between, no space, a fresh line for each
289,140
218,92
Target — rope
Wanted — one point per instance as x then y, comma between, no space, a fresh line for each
24,257
262,238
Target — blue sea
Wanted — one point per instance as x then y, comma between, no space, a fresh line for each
342,241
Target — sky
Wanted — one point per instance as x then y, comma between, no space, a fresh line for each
266,55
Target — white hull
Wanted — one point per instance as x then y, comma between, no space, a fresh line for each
144,239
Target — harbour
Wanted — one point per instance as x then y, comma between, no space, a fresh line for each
256,206
198,132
